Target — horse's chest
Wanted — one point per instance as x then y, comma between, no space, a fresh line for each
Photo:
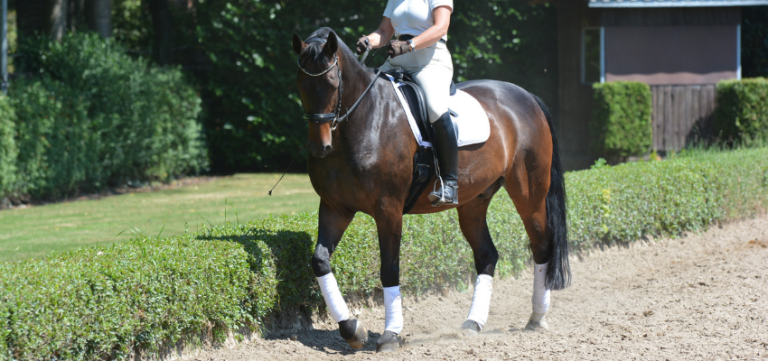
361,179
333,181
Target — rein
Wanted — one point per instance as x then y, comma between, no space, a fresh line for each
335,117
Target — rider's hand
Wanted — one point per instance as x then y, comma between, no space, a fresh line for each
397,48
362,44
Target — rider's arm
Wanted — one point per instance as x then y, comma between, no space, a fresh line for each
381,36
442,17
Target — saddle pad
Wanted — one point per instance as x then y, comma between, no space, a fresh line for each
471,119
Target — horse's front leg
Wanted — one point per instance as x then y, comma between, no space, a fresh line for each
333,221
389,223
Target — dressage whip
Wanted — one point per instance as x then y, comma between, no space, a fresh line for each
281,177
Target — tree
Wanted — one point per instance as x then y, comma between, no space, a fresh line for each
162,24
98,16
43,17
54,17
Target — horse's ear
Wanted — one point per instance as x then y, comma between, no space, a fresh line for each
331,45
298,44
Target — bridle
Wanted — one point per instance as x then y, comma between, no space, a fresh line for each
335,117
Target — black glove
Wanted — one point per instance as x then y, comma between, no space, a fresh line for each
397,48
362,44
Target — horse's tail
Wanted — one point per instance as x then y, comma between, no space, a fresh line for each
558,270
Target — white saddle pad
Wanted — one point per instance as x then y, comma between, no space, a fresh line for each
471,119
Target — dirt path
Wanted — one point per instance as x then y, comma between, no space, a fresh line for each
699,297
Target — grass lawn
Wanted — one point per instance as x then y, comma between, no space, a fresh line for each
36,231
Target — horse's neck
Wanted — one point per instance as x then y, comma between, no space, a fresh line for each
376,124
356,79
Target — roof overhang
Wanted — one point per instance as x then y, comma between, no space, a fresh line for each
672,3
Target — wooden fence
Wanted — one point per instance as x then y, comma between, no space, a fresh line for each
682,114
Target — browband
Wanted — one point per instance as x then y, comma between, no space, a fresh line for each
315,40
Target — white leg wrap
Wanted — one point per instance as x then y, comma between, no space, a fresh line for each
540,298
333,299
393,310
481,300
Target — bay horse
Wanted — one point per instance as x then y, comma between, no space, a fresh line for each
363,162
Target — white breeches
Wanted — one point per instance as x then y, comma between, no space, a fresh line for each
432,69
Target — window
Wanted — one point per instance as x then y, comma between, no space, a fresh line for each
591,55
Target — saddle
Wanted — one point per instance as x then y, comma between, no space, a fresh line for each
416,99
423,160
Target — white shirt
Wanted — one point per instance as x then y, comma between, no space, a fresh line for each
413,17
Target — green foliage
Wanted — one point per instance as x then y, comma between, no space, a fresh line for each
145,293
632,200
742,177
95,117
251,126
101,303
54,138
8,149
741,116
514,41
599,163
132,25
621,121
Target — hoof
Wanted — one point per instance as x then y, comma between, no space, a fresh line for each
389,342
536,323
353,331
470,328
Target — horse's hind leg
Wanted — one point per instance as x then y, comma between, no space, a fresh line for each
527,183
472,220
332,224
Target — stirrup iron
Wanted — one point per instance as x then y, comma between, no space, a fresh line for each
440,197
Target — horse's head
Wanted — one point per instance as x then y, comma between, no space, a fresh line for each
319,79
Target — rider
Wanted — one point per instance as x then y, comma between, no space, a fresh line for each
421,27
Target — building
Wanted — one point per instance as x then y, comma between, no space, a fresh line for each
681,48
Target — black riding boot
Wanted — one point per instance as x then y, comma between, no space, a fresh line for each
447,152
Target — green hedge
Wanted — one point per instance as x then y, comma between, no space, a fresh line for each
93,117
147,293
8,149
742,110
97,304
621,121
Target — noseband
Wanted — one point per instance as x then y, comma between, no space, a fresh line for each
334,117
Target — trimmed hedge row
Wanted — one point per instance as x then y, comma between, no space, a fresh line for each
742,111
106,302
621,122
93,117
95,304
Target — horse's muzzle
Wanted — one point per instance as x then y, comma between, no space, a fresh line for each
319,151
